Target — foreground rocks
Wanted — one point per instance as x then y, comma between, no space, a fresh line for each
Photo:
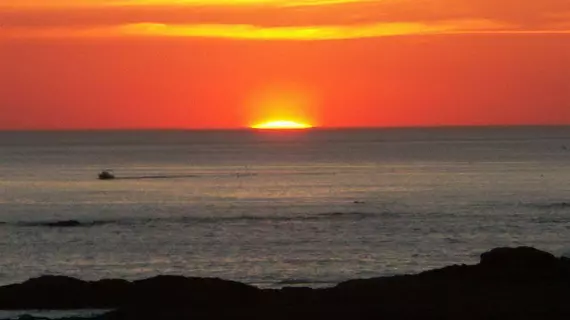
508,283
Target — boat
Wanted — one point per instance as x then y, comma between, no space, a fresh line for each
106,175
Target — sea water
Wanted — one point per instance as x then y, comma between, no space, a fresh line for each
276,208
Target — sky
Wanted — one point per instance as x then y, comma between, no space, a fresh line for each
205,64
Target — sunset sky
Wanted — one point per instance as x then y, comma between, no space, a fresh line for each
82,64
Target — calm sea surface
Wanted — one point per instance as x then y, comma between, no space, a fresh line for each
278,208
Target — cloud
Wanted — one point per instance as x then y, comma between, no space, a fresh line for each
279,19
244,31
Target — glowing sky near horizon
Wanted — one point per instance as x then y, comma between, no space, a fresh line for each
221,63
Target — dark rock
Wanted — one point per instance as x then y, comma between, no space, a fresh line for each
522,257
508,283
522,265
59,292
110,293
196,292
48,292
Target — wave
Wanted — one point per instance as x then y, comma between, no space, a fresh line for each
182,176
292,218
297,282
551,220
353,215
159,177
548,206
51,314
64,223
225,175
195,220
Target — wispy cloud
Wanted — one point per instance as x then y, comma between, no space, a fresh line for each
244,31
279,19
139,3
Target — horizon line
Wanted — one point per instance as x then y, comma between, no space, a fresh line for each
315,128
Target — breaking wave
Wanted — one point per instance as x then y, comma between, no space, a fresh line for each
224,175
300,282
548,206
65,223
196,220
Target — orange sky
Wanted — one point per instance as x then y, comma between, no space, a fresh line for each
73,64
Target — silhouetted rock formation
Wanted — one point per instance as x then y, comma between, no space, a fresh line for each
508,283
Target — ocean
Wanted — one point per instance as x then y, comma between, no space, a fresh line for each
278,208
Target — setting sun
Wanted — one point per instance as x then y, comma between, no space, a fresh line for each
282,124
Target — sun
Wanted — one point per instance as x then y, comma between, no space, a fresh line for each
282,125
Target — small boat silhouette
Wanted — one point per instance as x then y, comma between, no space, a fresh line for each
106,175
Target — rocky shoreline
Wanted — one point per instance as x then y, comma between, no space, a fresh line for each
508,283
